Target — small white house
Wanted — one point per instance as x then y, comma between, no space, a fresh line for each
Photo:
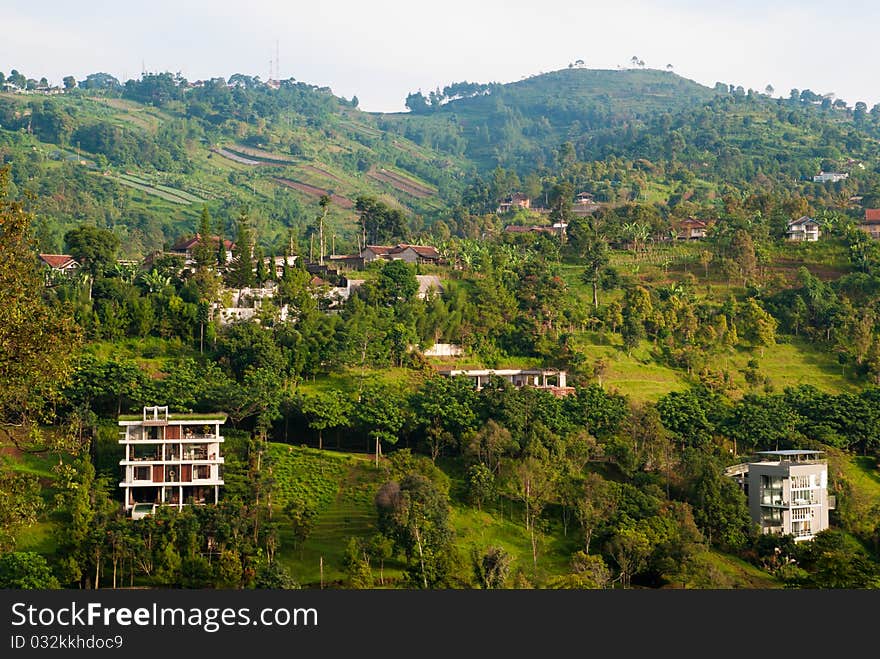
803,229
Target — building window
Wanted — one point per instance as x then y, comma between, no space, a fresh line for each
771,491
202,472
771,517
141,473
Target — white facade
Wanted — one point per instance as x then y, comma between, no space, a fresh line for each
539,378
803,229
829,177
788,493
171,459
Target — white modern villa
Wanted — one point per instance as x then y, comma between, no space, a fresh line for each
787,492
171,459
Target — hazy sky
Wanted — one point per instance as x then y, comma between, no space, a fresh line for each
380,50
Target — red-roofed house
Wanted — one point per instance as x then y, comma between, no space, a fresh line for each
186,246
60,262
871,223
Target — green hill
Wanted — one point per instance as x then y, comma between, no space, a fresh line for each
142,158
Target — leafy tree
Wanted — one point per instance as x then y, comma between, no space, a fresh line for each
481,484
93,247
492,567
37,342
325,410
380,413
415,514
302,518
380,223
20,504
396,284
356,564
25,570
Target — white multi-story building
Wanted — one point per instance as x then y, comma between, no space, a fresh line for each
171,459
803,229
830,177
788,493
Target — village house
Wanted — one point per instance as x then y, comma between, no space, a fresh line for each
691,229
63,263
403,252
584,204
803,229
347,261
186,246
518,200
170,459
871,223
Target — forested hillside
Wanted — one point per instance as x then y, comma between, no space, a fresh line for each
347,449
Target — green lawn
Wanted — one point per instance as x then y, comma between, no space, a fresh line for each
716,570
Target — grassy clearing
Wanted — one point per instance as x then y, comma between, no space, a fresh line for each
722,571
342,486
349,380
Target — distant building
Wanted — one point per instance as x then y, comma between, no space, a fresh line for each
246,304
518,200
403,252
552,380
829,177
373,252
556,229
787,492
171,459
347,261
871,223
803,229
691,229
276,263
428,283
444,350
186,246
63,263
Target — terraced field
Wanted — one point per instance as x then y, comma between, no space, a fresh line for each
401,183
315,191
259,155
165,192
236,158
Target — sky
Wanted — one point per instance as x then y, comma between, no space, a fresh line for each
382,50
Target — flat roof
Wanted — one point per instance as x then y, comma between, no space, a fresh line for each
790,452
501,371
180,416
